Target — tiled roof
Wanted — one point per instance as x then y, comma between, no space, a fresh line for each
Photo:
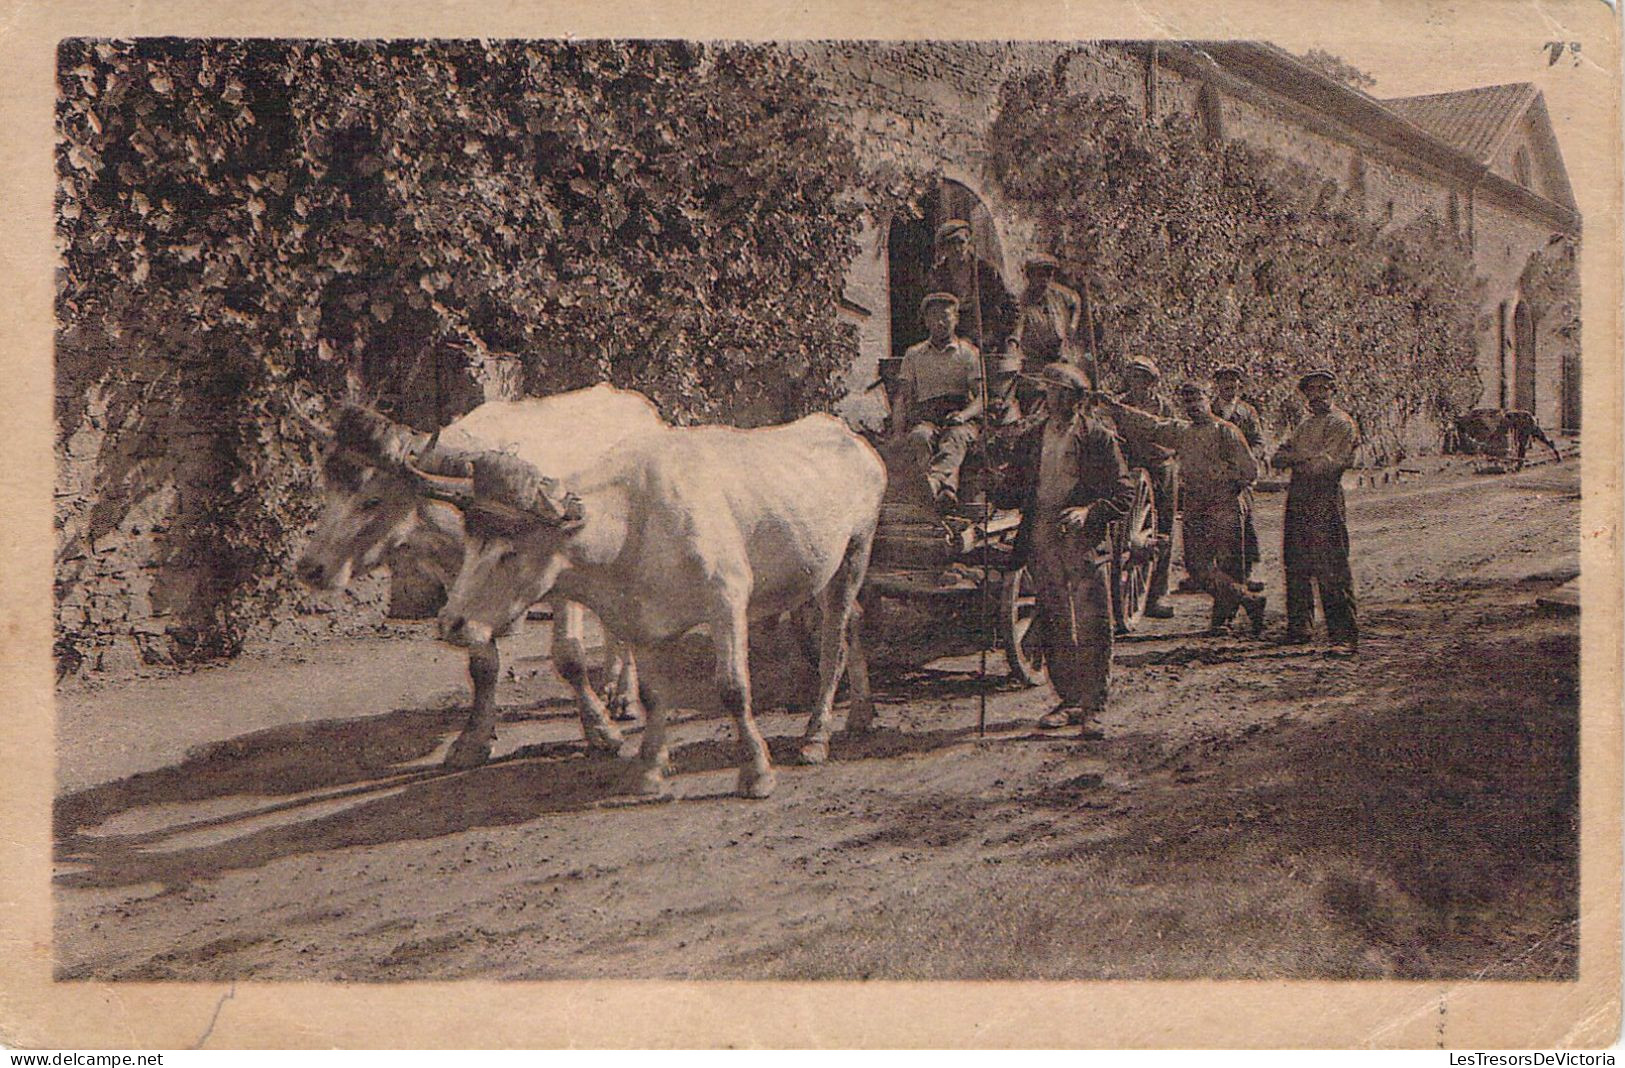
1471,120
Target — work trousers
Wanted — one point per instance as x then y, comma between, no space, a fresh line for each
1315,550
1165,495
941,451
1216,549
1074,616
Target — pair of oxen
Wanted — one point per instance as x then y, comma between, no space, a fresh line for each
591,499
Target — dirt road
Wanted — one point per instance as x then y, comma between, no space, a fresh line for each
1253,810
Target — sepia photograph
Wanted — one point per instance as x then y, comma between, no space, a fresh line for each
811,508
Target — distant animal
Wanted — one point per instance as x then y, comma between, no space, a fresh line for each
374,513
681,528
1497,432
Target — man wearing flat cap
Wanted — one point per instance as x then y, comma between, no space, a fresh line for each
1228,405
1315,539
1047,324
1140,376
1217,470
1071,482
939,397
987,311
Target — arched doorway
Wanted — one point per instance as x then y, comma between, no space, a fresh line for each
1523,341
909,250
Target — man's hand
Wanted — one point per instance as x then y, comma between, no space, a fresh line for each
1075,520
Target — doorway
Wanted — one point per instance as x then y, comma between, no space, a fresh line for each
910,246
1523,340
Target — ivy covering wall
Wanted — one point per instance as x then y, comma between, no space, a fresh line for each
254,227
1206,251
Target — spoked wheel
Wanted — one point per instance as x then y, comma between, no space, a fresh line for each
1018,612
1134,556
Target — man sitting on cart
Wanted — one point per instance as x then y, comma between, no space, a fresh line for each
1070,483
940,397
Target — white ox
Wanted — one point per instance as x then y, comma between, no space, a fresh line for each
375,514
686,527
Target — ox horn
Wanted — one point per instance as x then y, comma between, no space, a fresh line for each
448,488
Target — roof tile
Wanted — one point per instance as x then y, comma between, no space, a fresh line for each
1471,120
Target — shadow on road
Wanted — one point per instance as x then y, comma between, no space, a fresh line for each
345,783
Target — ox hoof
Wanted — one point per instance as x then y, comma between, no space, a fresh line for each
604,739
651,782
624,711
756,784
814,752
466,754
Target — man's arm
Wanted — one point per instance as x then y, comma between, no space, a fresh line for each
974,389
1250,426
1107,491
1131,420
1243,466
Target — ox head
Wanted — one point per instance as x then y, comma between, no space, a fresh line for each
374,478
515,530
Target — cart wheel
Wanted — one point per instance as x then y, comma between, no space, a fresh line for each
1018,611
1134,556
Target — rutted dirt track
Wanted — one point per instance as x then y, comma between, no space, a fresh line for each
1253,810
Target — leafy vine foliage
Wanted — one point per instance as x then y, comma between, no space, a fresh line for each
249,227
1206,252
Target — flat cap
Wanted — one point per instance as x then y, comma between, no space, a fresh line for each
952,227
938,298
1066,376
1319,372
1227,370
1043,259
1142,363
1191,387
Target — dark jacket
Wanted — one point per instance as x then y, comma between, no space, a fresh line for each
989,324
1104,477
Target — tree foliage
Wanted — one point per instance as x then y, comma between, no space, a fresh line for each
255,225
1207,253
1338,69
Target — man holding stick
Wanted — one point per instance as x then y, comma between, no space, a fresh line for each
1315,539
1072,483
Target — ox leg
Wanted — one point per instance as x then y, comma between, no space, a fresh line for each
860,715
473,747
653,759
731,634
626,706
569,657
836,603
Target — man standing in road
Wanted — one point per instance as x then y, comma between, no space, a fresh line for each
1315,541
1228,405
1217,471
1140,376
1073,482
940,397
